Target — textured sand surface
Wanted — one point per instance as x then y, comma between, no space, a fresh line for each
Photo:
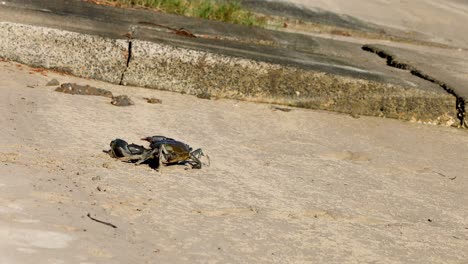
287,187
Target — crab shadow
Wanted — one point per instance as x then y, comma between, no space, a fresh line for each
154,164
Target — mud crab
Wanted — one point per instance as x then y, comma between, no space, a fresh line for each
164,150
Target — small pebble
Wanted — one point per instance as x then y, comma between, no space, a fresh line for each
204,95
153,100
122,100
53,82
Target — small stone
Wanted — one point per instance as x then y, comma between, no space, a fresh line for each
96,178
153,100
53,82
204,95
122,100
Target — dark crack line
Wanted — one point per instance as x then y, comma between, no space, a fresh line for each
129,57
460,103
129,52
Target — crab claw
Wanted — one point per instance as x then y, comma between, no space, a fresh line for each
156,138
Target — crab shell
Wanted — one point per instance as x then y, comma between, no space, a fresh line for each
175,151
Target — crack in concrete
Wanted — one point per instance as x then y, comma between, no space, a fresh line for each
129,52
129,57
460,104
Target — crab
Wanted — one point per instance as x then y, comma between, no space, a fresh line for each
166,151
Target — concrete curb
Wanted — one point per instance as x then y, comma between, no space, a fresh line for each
163,66
79,54
421,68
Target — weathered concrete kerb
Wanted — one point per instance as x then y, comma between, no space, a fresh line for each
79,54
311,77
169,68
451,84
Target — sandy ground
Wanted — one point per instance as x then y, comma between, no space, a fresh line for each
285,187
443,21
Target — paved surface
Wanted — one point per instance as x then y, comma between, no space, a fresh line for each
287,187
439,21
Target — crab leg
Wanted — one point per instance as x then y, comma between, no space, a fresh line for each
199,153
130,158
198,163
146,156
160,157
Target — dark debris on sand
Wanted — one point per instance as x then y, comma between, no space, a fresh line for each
73,88
122,100
153,100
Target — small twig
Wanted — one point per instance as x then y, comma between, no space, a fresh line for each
180,31
445,176
282,109
102,222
